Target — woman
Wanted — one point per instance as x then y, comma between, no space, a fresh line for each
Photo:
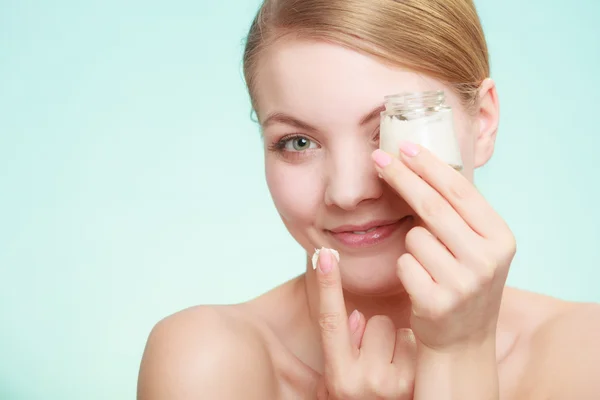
417,306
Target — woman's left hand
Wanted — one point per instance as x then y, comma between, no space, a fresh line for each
456,265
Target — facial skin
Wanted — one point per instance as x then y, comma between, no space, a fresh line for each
325,178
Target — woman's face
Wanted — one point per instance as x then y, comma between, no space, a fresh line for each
319,107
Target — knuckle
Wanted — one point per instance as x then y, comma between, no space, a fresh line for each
375,379
459,191
486,269
510,245
405,387
342,387
467,285
330,321
505,242
488,272
378,382
327,282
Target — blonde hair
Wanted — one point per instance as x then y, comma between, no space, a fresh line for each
440,38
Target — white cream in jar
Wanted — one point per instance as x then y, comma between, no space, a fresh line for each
422,118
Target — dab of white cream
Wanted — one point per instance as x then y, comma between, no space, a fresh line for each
315,256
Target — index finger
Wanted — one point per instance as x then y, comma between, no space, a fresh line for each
462,195
333,318
441,218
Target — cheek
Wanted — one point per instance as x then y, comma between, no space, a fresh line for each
297,190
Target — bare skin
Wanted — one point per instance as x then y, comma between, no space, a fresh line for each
275,337
435,320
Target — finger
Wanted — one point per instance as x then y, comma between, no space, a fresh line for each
462,195
378,341
357,328
441,265
434,210
405,359
416,280
333,321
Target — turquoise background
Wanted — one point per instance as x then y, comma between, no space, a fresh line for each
131,175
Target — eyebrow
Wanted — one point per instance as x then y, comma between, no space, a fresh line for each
286,119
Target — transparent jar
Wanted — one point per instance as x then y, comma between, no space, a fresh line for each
422,118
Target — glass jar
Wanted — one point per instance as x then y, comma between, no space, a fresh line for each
422,118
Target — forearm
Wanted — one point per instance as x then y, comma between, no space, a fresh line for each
465,374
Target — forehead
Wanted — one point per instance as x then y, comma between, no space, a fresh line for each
319,81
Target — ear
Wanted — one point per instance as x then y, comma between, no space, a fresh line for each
487,117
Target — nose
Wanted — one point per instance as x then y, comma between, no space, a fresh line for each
351,177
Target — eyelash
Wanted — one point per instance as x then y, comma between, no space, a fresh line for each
278,146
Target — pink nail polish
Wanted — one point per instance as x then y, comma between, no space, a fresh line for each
409,149
381,158
325,261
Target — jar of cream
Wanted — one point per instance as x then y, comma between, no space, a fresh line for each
422,118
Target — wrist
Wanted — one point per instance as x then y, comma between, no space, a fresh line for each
480,348
465,371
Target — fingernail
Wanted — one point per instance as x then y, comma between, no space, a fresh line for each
409,149
325,261
315,257
353,320
381,158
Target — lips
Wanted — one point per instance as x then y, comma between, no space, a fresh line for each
363,232
369,234
364,227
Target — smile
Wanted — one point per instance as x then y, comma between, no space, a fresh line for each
368,235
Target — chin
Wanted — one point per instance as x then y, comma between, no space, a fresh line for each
371,274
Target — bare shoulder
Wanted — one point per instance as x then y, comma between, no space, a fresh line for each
206,352
569,343
567,346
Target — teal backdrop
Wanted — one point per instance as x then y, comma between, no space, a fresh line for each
131,174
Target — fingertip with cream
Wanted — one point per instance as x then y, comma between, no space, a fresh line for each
315,257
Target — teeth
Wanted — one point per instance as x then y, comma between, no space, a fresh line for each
363,232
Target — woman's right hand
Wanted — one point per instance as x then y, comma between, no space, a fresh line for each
371,360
